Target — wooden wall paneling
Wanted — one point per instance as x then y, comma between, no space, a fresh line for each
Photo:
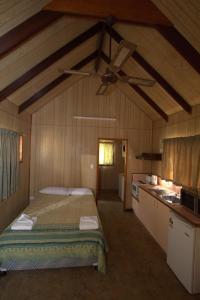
10,119
150,101
185,17
34,98
52,72
57,92
79,148
157,93
176,73
189,53
141,93
137,100
48,62
20,34
100,46
12,12
39,48
131,11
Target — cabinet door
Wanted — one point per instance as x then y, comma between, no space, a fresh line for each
161,224
147,210
181,249
155,217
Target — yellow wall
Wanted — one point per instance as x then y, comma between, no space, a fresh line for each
180,124
64,150
10,119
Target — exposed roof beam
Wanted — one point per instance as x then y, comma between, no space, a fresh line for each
181,45
55,83
18,35
19,82
100,46
133,11
109,21
149,69
140,92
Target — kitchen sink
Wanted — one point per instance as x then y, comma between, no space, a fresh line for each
158,191
171,199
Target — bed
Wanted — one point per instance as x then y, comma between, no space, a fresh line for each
55,240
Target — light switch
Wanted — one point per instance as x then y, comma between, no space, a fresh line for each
91,166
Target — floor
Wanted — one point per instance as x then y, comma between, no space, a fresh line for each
136,269
108,195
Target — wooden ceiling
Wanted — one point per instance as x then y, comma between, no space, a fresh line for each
35,44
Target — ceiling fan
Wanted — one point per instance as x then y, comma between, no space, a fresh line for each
112,73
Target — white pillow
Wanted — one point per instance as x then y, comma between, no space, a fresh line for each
80,191
54,190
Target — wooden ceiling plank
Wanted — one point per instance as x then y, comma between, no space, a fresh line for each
100,46
149,69
26,30
19,82
55,83
109,21
181,45
132,11
140,92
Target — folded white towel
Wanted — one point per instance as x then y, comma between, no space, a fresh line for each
24,222
88,223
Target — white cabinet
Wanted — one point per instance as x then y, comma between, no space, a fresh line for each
135,206
183,252
161,224
154,215
147,210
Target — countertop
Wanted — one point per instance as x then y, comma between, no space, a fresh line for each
178,208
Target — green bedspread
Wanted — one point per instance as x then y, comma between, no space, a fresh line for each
52,245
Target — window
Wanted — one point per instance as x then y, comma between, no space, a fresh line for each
181,161
106,154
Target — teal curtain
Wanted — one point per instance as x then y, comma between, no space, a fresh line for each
9,162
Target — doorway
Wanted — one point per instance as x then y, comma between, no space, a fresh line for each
112,170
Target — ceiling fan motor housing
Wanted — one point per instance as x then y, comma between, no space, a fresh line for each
109,78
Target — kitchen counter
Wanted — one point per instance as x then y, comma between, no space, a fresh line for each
178,208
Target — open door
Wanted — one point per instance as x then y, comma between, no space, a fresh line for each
112,170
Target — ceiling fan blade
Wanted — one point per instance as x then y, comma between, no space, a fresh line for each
75,72
124,51
137,80
110,89
102,89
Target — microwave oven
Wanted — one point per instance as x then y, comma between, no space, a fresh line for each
191,199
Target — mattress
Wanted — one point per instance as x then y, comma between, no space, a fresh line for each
55,240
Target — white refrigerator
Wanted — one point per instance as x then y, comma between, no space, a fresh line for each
183,255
